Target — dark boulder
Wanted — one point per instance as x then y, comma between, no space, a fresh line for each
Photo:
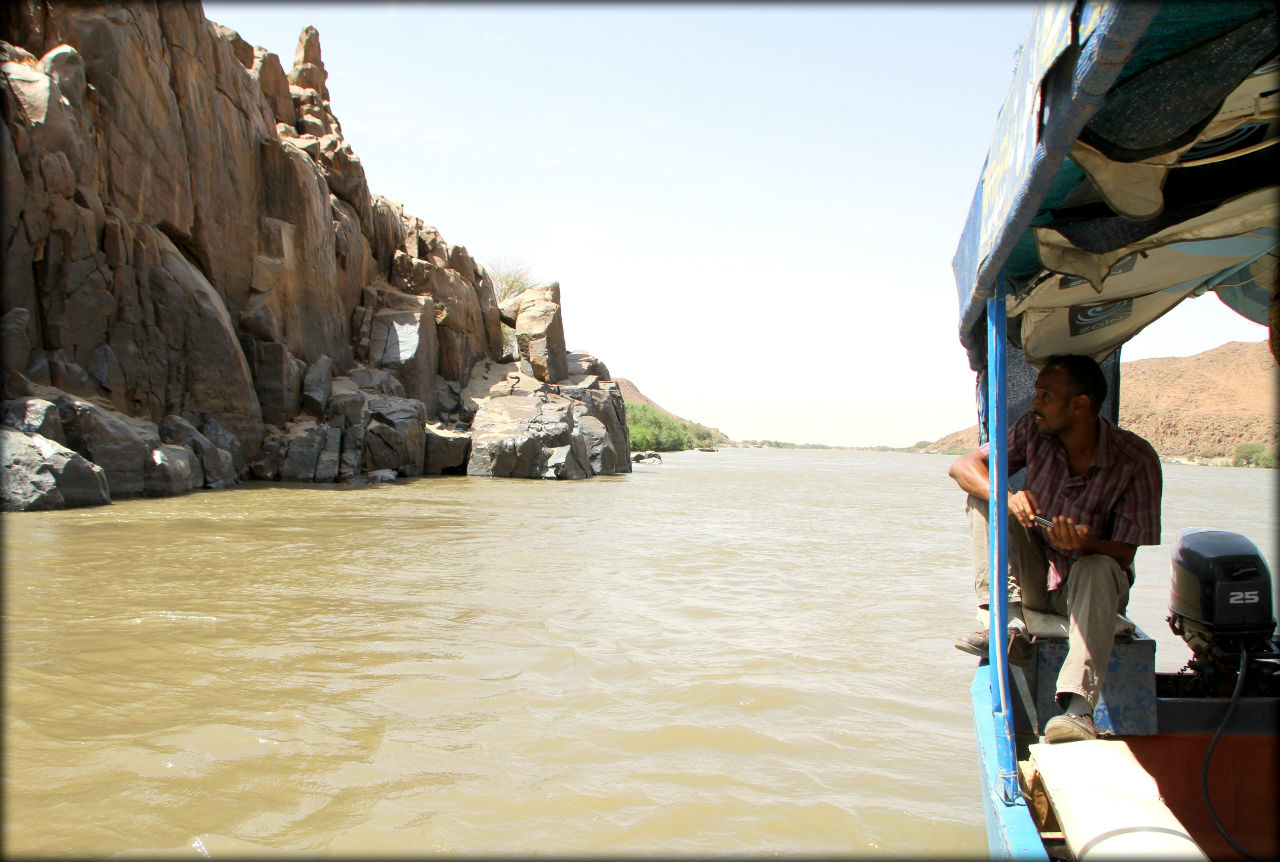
37,473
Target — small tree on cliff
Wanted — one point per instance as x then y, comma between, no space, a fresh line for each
510,278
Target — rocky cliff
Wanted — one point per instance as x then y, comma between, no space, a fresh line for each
199,286
1190,406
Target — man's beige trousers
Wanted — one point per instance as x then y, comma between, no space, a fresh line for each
1096,589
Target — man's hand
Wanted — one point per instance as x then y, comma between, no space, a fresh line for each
1024,507
1067,535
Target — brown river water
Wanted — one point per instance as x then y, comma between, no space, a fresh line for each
741,652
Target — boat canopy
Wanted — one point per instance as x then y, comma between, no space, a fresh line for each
1134,165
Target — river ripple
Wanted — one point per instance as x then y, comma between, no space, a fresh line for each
747,651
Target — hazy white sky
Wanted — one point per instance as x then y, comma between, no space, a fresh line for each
751,209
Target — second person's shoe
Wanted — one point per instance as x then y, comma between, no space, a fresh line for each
977,643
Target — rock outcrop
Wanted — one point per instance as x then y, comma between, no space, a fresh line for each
568,430
540,333
199,287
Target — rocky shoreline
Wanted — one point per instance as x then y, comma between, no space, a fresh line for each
199,286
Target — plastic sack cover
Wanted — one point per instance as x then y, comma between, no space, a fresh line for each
1132,37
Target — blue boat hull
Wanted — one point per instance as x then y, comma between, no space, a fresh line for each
1011,833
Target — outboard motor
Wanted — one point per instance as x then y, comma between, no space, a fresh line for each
1220,604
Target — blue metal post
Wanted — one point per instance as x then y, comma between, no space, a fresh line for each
998,543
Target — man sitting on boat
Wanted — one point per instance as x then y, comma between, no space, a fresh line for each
1100,487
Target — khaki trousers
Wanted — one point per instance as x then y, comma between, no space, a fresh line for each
1096,589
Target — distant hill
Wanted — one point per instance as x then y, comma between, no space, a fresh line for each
1191,406
632,395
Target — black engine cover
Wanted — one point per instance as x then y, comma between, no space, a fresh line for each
1221,581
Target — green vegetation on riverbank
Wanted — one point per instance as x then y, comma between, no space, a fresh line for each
1254,455
779,444
919,447
653,430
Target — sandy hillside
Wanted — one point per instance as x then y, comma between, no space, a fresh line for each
1203,405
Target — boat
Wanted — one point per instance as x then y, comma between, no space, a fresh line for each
1132,168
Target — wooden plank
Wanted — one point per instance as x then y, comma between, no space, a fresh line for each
1107,805
1038,800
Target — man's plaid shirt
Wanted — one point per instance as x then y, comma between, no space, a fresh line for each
1118,497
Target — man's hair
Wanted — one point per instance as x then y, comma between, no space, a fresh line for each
1085,374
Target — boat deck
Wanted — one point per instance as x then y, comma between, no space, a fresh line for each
1243,779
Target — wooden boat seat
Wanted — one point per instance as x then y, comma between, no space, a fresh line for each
1054,626
1041,625
1106,804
